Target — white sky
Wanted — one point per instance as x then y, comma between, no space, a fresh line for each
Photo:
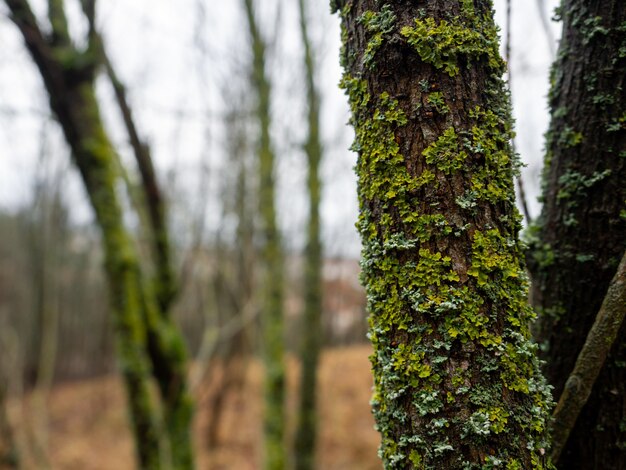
181,60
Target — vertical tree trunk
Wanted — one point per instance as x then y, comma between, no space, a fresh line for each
312,317
457,383
9,455
581,235
271,258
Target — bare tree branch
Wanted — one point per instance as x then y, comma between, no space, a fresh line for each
599,341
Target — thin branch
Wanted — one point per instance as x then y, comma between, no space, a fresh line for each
597,346
58,21
161,249
213,336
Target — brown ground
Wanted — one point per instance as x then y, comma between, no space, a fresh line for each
89,429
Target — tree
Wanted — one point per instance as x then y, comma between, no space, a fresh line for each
457,383
9,455
271,258
581,235
149,344
312,331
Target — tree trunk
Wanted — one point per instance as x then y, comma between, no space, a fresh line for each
581,234
272,260
312,315
9,455
457,383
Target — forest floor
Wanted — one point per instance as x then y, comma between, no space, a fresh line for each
88,427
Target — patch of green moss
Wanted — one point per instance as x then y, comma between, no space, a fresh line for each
443,44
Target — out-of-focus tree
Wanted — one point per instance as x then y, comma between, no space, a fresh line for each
149,344
312,279
9,455
457,381
580,237
271,256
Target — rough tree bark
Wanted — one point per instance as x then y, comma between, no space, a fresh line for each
581,235
312,315
457,383
271,258
68,76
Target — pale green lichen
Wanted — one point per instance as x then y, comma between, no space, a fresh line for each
378,24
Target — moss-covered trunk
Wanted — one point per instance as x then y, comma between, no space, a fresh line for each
271,258
149,344
581,235
457,383
312,315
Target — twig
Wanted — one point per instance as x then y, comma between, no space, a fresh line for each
213,336
590,360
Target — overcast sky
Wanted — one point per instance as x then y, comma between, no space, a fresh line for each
180,59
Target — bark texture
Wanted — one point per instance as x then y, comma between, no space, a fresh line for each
581,235
312,324
271,258
457,383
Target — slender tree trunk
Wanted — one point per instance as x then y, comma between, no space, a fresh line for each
457,383
9,455
139,325
271,257
312,317
581,235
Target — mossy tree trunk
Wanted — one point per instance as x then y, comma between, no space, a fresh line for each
271,257
149,344
457,383
581,235
312,315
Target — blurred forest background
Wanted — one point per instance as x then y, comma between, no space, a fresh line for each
186,73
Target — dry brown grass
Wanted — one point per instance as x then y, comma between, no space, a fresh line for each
89,428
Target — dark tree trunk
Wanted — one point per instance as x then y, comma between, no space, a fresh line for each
457,383
581,234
